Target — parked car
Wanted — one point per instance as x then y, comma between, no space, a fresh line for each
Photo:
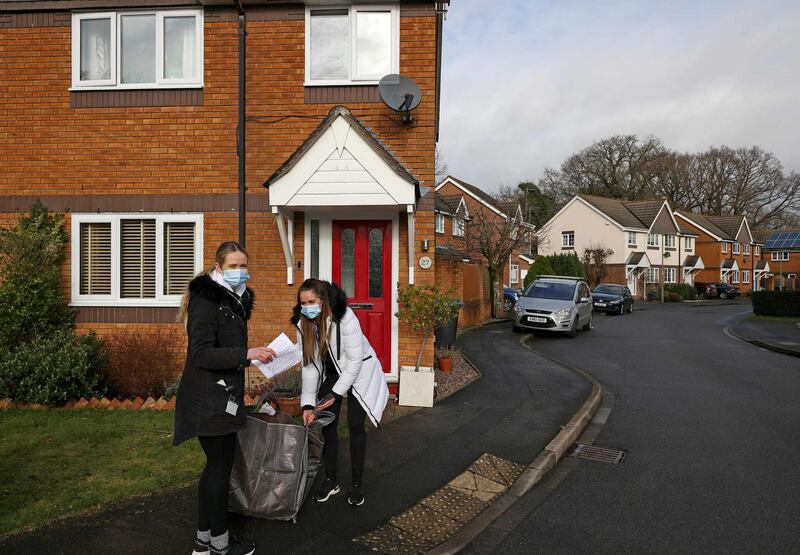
510,297
706,290
726,291
554,303
609,297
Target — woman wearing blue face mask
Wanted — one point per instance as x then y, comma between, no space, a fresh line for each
210,403
337,361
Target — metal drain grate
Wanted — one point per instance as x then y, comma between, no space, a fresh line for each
601,454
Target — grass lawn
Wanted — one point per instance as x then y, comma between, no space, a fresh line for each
57,463
787,319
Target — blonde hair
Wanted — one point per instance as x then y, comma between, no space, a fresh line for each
219,258
321,290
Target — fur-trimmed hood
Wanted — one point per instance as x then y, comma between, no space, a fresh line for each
205,287
337,298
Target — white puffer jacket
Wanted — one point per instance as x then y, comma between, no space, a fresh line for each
356,363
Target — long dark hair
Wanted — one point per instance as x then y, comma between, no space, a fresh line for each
322,290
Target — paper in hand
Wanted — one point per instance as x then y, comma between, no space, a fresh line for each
287,354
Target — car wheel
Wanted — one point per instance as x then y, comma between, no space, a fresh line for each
702,296
573,329
508,304
723,295
588,325
621,309
630,308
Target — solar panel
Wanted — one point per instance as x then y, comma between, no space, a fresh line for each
783,240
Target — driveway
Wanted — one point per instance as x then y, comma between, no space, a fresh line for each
709,423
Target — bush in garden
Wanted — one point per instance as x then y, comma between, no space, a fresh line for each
53,369
142,362
541,267
425,308
671,297
686,292
566,264
776,303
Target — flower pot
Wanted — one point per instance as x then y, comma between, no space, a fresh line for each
446,364
289,405
416,388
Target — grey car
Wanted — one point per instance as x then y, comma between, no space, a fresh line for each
554,303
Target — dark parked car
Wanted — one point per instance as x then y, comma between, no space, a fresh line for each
727,291
510,297
612,298
706,290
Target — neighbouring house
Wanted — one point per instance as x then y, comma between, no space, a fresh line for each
782,251
481,204
123,116
729,250
645,244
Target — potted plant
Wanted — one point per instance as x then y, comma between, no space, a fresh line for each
287,391
424,308
445,359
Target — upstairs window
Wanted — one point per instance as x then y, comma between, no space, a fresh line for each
134,260
669,241
652,239
439,221
724,247
780,256
351,45
631,238
747,248
687,243
757,250
137,50
568,239
736,248
458,227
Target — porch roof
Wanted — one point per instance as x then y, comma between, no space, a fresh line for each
729,265
638,260
693,263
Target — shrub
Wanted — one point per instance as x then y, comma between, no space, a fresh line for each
425,308
541,267
651,295
686,292
31,253
142,362
671,297
53,369
776,303
566,264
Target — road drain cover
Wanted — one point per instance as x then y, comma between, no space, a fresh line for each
601,454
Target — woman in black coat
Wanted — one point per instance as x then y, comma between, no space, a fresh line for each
210,401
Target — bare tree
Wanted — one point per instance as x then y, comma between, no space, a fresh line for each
594,263
440,166
493,238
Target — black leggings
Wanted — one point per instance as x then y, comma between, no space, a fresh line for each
214,481
358,434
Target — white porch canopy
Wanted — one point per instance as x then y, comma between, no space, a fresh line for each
692,265
341,165
636,263
728,266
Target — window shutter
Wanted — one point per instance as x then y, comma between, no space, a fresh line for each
138,259
95,258
178,256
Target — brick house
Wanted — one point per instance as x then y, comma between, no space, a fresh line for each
476,200
645,243
126,120
729,251
782,251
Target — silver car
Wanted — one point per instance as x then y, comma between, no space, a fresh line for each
554,303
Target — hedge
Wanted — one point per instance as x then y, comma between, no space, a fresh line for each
776,303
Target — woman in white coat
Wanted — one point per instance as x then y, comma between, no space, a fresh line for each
337,361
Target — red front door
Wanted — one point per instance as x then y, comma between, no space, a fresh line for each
362,266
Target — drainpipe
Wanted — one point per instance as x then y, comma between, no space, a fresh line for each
240,139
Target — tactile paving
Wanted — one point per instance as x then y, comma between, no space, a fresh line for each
454,505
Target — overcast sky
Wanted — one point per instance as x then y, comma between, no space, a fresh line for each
527,83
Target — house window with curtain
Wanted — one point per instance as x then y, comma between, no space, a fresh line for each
669,275
351,44
746,248
134,260
724,247
458,227
439,223
651,275
687,243
736,248
631,238
669,241
137,50
652,239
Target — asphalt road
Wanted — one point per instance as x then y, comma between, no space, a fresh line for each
711,425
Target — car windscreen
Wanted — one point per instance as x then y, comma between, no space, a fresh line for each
551,290
609,289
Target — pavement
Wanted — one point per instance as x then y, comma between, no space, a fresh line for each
478,440
781,337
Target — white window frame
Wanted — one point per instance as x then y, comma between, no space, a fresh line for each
652,239
116,51
568,240
651,273
632,235
458,227
687,243
352,11
736,248
439,223
670,275
669,241
745,276
746,249
114,299
780,256
724,247
513,273
757,251
735,276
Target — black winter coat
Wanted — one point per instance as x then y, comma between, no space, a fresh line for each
217,329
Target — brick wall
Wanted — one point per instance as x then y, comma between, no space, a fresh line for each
49,147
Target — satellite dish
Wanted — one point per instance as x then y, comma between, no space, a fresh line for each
401,94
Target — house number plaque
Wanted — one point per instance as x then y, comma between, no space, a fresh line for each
425,262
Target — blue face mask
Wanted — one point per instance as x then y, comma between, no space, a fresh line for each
310,310
236,277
